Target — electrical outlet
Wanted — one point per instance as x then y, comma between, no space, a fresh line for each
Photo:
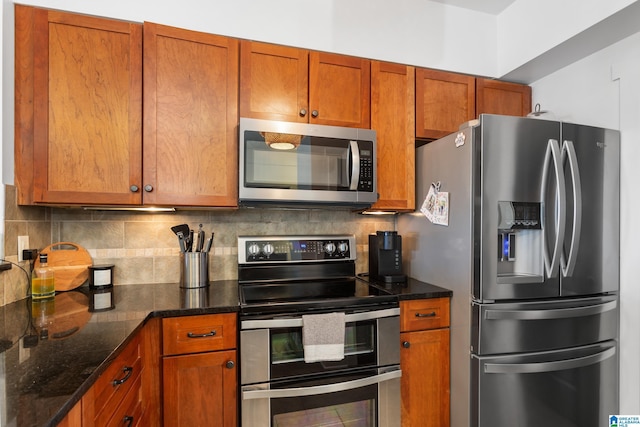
23,243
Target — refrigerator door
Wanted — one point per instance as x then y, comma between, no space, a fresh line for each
541,326
570,388
590,256
518,207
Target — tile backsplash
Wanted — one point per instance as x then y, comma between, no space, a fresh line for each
142,247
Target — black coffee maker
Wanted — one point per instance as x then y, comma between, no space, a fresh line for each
385,257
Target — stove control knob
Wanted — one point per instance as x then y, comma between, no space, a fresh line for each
253,249
343,247
330,248
268,249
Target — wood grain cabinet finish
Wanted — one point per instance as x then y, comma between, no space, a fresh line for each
498,97
80,134
78,108
73,418
444,101
200,385
117,393
393,118
190,118
297,85
424,360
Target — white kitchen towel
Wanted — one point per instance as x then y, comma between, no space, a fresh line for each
323,337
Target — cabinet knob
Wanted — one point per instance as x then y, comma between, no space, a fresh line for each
134,188
148,188
314,113
406,344
230,364
303,112
127,420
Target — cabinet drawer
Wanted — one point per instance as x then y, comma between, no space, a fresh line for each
117,380
196,334
129,413
422,314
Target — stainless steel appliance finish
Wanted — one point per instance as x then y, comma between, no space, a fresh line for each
531,253
281,279
330,166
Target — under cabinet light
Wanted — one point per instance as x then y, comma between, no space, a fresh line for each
129,208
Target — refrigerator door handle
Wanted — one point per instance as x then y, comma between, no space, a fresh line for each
552,261
560,313
569,153
562,365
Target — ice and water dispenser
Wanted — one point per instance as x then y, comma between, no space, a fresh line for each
520,240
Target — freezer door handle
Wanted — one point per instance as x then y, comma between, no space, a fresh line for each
561,365
569,153
553,155
560,313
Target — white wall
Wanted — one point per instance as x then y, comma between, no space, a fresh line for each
604,90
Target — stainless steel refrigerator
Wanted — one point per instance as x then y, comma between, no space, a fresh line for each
520,218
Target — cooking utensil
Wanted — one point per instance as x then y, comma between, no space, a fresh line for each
183,245
200,243
182,227
190,241
207,247
70,266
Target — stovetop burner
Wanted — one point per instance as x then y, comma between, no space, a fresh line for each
292,274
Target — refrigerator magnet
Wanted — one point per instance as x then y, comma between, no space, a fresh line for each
436,205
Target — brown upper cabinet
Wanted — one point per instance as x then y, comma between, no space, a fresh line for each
79,113
393,118
443,102
497,97
78,110
190,118
297,85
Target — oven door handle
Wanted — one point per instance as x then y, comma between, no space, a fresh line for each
321,389
296,322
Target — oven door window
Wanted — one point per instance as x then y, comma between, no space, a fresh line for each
316,164
353,408
287,353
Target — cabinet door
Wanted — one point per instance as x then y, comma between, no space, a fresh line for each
190,118
496,97
443,102
424,360
81,142
274,82
200,389
393,119
339,90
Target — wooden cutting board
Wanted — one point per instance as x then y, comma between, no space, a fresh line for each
70,263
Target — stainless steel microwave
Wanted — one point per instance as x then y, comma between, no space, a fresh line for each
301,164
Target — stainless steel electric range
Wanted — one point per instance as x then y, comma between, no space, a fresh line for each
283,278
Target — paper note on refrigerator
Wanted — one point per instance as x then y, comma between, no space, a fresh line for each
436,205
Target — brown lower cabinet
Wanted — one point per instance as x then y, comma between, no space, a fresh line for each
424,359
199,370
126,393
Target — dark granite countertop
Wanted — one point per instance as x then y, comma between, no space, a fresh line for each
412,289
45,377
86,329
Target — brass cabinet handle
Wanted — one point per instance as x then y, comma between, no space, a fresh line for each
205,335
128,370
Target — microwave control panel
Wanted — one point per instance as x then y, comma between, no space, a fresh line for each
365,183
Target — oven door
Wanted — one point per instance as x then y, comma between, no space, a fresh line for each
367,399
271,349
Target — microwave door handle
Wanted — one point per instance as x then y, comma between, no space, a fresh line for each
569,153
321,389
354,173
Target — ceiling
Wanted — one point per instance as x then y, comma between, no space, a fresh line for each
493,7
